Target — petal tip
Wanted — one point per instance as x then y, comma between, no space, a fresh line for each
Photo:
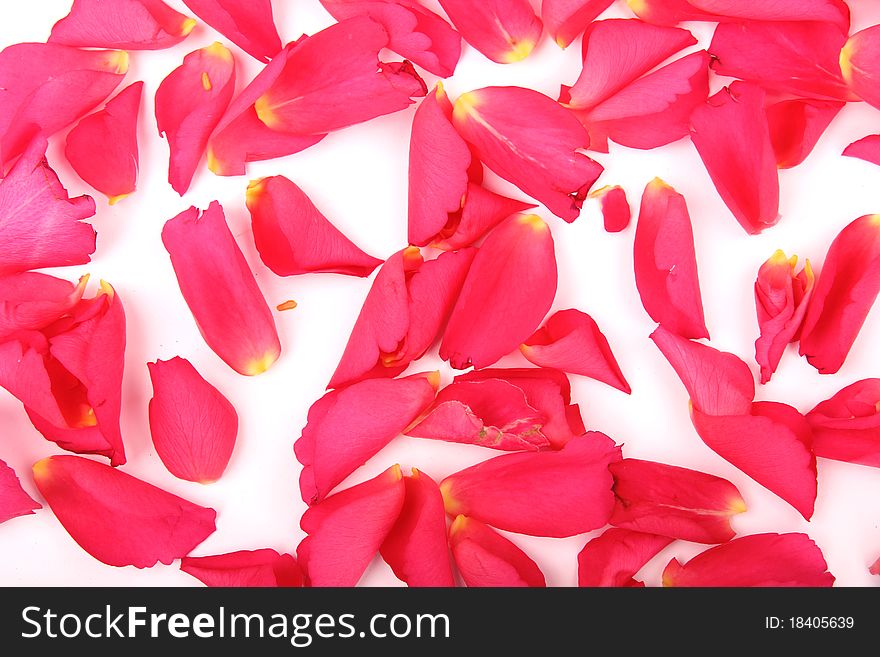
187,26
259,365
534,222
518,51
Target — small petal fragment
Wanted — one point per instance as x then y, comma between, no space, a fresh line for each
40,225
781,298
616,212
860,64
772,444
665,262
193,425
796,126
505,31
532,141
120,520
718,383
45,87
733,139
555,493
415,33
508,291
14,502
220,290
346,530
846,290
675,502
334,79
572,342
126,24
103,147
613,558
756,560
866,148
247,23
347,427
189,104
846,427
485,558
403,313
251,568
416,548
566,19
293,237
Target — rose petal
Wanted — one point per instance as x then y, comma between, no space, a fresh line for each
866,148
505,31
192,424
264,568
346,427
675,502
220,290
796,126
756,560
127,24
120,520
566,19
616,213
293,237
665,262
485,558
14,502
859,64
103,149
507,292
846,427
30,301
189,104
846,290
416,548
345,531
247,23
555,493
614,557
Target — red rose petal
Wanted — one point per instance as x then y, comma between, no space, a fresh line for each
103,147
796,126
264,568
485,558
530,140
507,292
781,298
415,33
847,287
616,213
505,31
46,87
346,530
555,493
192,424
572,342
772,444
860,64
416,548
346,427
14,502
120,520
247,23
756,560
127,24
402,315
293,237
718,383
566,19
675,502
866,148
40,225
846,427
665,262
30,301
334,79
614,557
189,104
220,290
733,139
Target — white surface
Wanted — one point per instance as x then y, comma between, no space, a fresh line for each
357,177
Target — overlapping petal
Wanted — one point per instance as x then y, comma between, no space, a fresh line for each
247,23
263,568
192,424
31,301
860,64
120,520
348,426
293,237
866,148
843,296
506,31
566,19
220,290
614,557
485,558
554,493
14,502
616,213
846,427
796,126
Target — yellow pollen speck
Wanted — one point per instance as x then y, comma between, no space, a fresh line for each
846,54
518,52
537,224
113,200
206,81
287,305
260,365
187,26
464,105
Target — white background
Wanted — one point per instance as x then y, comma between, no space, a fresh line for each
357,177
